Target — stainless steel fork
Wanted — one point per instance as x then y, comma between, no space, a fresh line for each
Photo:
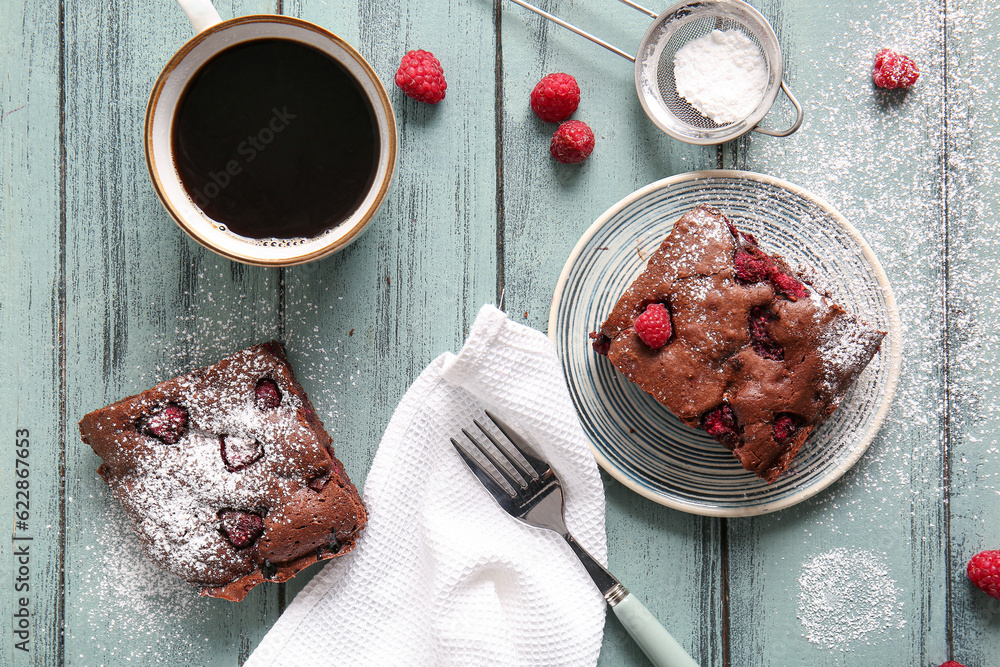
527,488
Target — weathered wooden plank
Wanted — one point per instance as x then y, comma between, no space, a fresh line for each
860,567
143,304
973,115
362,324
30,329
669,559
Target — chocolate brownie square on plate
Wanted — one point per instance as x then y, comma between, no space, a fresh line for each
733,341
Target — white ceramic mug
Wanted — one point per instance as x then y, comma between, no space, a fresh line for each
213,36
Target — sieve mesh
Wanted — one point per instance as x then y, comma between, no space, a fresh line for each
694,29
654,67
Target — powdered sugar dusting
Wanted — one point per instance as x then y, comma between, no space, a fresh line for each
705,232
847,596
845,346
204,335
136,613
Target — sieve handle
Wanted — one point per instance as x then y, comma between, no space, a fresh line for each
799,115
648,12
570,26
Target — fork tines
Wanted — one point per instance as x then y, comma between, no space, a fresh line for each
513,464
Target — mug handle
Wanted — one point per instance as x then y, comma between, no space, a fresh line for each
201,13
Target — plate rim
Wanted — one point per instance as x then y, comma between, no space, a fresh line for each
895,334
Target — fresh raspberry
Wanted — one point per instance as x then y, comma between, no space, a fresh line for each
602,344
168,425
760,339
241,528
720,423
791,287
572,142
555,97
421,77
952,663
267,393
238,453
984,572
893,70
785,426
653,326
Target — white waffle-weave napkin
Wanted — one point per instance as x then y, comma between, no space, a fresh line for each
442,575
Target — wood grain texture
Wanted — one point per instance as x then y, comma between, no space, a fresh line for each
670,560
103,295
144,303
30,325
364,323
973,312
878,158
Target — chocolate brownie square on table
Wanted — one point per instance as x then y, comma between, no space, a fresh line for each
734,342
227,475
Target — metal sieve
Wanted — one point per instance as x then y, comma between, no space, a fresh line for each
654,66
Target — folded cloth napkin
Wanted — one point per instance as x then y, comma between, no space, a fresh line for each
442,575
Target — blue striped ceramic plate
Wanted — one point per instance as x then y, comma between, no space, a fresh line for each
638,441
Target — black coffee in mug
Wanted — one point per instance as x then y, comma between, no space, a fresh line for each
273,138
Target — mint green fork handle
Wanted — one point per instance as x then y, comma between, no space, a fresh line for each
661,649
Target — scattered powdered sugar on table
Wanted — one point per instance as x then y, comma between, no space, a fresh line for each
882,154
722,74
885,159
847,596
135,611
203,335
870,153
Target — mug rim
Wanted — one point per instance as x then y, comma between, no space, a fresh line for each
246,257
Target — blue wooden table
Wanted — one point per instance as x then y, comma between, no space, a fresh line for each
102,295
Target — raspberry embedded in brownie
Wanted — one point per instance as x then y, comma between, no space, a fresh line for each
757,358
227,475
